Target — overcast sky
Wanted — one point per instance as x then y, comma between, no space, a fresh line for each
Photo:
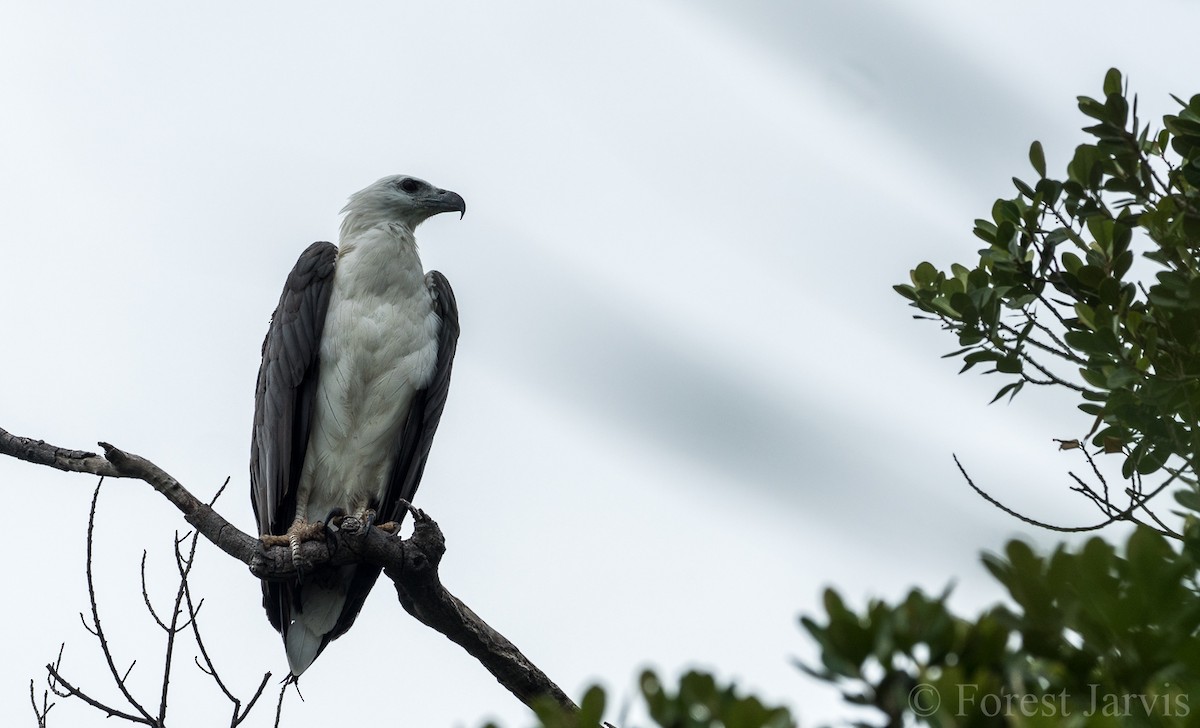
686,398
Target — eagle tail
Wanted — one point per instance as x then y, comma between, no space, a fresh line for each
319,608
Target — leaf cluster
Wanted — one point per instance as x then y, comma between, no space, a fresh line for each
1059,298
1087,283
700,701
1087,628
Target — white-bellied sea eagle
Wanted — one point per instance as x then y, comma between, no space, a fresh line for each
355,368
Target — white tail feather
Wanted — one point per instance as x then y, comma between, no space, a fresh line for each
320,608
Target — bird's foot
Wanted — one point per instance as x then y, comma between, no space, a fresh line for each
392,528
297,534
303,530
296,537
355,523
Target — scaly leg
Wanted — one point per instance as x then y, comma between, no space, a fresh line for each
299,532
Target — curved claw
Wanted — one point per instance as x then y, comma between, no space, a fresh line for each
417,513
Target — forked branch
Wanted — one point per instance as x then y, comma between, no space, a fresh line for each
411,564
133,710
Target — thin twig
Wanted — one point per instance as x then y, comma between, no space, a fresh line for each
1123,515
208,667
184,566
1096,470
40,713
279,703
250,705
99,630
1051,378
70,691
146,598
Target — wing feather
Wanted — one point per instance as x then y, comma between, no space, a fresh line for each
283,402
426,411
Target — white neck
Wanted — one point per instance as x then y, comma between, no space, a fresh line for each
380,260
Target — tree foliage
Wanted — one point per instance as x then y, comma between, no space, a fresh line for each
700,701
1090,284
1094,637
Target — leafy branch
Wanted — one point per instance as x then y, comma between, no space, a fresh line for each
1056,300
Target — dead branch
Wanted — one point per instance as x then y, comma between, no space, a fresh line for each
209,668
193,610
411,563
67,690
171,627
98,631
40,712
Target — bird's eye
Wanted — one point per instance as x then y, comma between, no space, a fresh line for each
409,185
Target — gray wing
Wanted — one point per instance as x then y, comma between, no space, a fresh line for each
412,448
426,410
283,400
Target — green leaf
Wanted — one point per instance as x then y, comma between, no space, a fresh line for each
1071,262
924,275
1010,389
1112,82
985,230
591,708
1023,188
1037,158
1009,365
1188,498
1151,461
1092,108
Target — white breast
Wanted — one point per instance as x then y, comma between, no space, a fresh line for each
378,347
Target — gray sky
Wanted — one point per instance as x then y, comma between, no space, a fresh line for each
685,399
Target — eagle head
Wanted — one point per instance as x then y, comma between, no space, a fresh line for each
402,198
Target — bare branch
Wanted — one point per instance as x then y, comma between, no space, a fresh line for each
146,598
208,667
184,567
172,628
1096,470
119,464
421,593
279,703
42,453
70,690
249,706
410,563
40,713
1051,378
1125,515
99,631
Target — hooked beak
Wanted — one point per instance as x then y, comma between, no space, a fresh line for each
446,201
